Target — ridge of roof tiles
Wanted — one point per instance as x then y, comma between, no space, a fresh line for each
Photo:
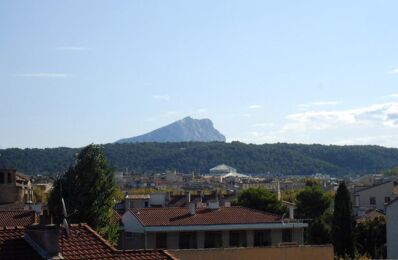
82,243
180,216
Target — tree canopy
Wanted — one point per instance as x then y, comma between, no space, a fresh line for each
261,199
343,223
312,202
199,157
89,191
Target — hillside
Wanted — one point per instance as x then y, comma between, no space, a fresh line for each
200,157
184,130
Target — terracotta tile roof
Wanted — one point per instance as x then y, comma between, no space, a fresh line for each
116,218
82,243
13,246
12,218
203,216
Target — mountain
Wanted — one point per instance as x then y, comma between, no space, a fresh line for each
184,130
279,158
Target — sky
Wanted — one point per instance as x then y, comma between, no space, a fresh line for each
78,72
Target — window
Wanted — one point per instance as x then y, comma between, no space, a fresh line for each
187,240
387,199
161,240
146,204
213,239
372,200
1,177
286,235
237,239
9,178
262,238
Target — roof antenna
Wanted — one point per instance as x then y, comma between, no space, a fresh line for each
64,216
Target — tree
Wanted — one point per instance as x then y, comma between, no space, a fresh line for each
89,191
39,195
343,224
261,199
312,202
371,237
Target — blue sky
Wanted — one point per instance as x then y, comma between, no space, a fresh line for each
76,72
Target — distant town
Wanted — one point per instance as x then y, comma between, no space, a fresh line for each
177,215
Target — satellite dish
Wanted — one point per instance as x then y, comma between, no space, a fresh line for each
65,215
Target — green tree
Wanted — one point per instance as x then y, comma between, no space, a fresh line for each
261,199
39,195
312,202
89,191
370,237
319,229
343,224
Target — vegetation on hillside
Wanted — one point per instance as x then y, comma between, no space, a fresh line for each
188,157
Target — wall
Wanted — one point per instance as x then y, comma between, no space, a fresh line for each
392,230
269,253
379,191
9,193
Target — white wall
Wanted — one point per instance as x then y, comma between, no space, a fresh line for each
392,230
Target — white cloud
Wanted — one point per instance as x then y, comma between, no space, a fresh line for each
162,97
255,106
72,48
385,114
319,104
44,75
394,71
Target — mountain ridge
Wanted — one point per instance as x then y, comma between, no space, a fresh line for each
278,158
184,130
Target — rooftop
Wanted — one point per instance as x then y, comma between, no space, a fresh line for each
12,218
82,243
204,216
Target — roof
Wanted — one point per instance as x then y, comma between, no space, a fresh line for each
13,246
137,196
373,186
82,243
12,218
223,167
370,214
204,216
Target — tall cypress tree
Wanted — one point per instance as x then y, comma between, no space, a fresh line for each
343,224
89,190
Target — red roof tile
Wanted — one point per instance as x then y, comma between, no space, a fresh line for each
82,243
13,246
12,218
203,216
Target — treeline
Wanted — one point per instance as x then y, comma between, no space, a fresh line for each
280,158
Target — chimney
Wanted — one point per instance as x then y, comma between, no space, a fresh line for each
44,239
192,209
214,204
291,212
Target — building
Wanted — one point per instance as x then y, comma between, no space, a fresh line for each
14,187
50,242
207,227
373,197
392,229
298,252
222,169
